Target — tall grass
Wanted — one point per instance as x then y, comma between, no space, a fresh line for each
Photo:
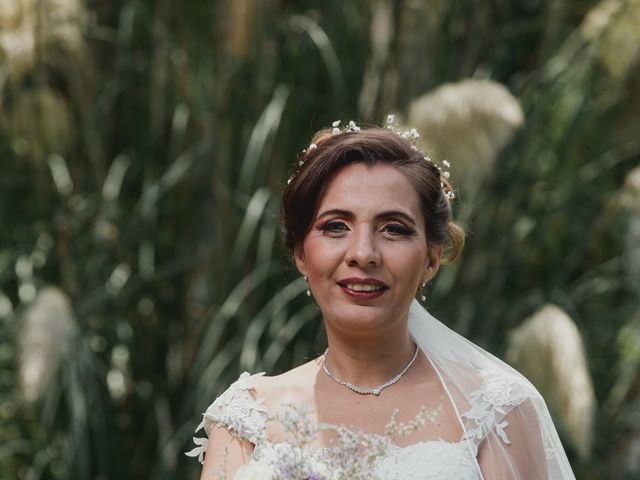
144,146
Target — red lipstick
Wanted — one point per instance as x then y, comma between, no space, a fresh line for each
363,288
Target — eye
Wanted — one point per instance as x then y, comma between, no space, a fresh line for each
398,229
333,227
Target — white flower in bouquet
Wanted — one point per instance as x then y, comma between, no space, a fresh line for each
297,460
352,455
255,471
322,470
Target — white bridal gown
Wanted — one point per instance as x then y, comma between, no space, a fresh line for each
504,418
239,411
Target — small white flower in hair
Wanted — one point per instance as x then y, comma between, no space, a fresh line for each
446,163
313,146
352,127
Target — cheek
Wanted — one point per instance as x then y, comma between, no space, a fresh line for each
321,257
413,265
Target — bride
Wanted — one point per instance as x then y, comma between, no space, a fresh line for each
368,220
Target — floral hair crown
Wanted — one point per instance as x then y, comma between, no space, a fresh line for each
410,136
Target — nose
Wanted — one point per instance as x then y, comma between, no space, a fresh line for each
362,250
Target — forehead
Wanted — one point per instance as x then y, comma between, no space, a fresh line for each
371,188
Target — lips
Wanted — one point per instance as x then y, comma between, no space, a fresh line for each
367,288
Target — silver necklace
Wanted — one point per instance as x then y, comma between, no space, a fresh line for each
364,390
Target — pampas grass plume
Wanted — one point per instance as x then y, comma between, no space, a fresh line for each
630,194
33,31
42,117
548,349
612,25
468,123
628,199
46,331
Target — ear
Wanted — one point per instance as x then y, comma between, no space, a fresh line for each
434,255
298,256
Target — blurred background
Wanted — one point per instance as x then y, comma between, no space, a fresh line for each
143,148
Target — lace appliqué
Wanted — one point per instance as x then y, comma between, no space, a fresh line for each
497,395
237,410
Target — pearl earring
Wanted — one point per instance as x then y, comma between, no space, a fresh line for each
308,290
422,295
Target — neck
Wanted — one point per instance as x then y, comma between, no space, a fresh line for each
369,363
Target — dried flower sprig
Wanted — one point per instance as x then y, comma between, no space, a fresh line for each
352,455
401,429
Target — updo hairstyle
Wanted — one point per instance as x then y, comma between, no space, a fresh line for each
319,164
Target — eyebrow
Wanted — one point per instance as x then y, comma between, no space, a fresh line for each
385,214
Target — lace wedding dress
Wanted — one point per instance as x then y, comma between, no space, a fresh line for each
245,415
504,419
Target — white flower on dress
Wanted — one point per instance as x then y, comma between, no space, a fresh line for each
497,394
200,450
501,390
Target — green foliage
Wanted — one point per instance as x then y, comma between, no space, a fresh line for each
147,189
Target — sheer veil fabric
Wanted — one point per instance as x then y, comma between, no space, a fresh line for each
505,421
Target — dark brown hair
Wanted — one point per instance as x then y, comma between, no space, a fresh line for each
318,166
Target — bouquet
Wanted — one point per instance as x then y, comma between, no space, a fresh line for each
351,456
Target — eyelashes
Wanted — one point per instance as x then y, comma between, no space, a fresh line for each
400,229
336,227
332,226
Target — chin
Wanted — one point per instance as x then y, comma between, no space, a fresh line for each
362,315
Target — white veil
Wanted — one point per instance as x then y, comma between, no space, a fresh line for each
505,420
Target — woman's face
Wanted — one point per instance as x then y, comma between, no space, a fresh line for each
366,253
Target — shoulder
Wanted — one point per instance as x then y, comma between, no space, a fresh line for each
292,387
495,394
248,402
504,388
239,409
245,407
